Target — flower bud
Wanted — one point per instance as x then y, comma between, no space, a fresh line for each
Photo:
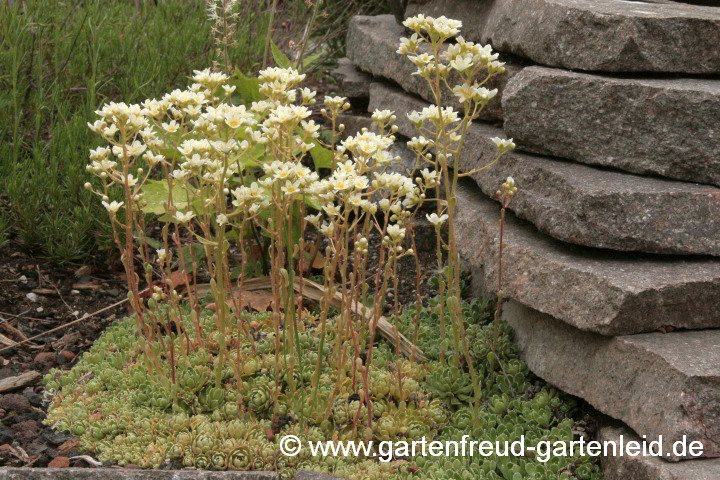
87,186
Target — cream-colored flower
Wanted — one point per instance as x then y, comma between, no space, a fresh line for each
396,232
437,220
311,128
503,145
184,217
113,206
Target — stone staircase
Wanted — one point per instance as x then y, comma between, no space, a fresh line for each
612,249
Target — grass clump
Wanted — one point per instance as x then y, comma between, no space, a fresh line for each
58,62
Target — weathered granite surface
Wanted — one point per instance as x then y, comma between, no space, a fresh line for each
127,474
593,35
616,467
354,123
353,83
585,205
610,293
663,127
656,383
372,43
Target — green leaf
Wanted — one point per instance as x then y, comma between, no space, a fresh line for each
309,61
248,89
156,195
312,201
279,56
322,157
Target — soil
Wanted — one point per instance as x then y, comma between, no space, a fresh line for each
36,297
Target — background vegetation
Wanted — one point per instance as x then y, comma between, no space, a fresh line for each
61,60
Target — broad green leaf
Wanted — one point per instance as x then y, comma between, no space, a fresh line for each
149,240
156,195
322,157
279,56
309,61
248,89
312,201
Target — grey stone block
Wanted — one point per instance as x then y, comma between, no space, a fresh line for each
593,35
661,127
353,83
610,293
581,204
658,384
617,467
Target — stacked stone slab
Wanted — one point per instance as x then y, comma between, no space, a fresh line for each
614,234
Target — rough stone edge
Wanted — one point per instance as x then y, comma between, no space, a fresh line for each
593,290
499,23
688,163
536,207
650,468
353,83
573,353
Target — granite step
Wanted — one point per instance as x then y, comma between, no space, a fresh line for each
616,467
592,35
352,82
646,126
658,384
610,293
372,43
580,204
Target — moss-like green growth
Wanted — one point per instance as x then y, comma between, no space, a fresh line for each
127,411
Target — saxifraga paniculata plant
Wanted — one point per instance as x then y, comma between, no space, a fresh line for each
442,132
217,389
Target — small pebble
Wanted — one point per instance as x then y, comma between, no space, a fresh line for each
39,309
68,355
23,279
75,292
44,357
33,297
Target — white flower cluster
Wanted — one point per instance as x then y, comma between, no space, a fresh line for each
467,58
438,29
212,141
